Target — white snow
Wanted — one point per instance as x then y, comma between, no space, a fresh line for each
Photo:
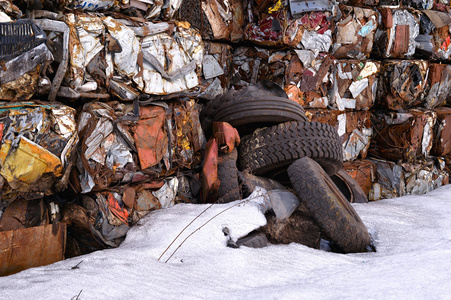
413,259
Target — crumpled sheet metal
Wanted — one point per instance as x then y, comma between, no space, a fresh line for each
151,136
402,136
439,5
25,248
139,9
37,146
389,181
439,85
113,222
404,84
363,171
354,33
146,58
253,64
353,127
187,136
107,216
268,31
316,80
358,135
94,5
434,38
106,146
215,19
396,180
217,69
355,84
423,177
118,146
24,63
442,132
419,4
9,11
184,51
22,88
311,31
125,61
21,62
395,37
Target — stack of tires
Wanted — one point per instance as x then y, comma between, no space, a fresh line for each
278,142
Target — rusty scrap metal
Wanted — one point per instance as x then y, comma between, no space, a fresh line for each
52,25
210,180
439,84
396,35
150,136
25,248
353,127
434,38
404,84
363,171
354,33
354,84
405,136
38,145
442,132
390,181
227,136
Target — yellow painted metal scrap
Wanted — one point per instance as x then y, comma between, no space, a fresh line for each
25,165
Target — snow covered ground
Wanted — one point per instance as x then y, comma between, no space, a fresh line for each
413,259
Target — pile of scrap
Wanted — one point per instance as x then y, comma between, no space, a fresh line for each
113,108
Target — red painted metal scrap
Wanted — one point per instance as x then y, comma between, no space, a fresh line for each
226,135
210,181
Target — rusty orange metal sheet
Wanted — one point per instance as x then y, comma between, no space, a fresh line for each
129,197
218,25
293,93
363,171
403,136
401,45
156,184
23,213
226,135
210,181
146,201
150,136
442,138
31,247
404,83
387,17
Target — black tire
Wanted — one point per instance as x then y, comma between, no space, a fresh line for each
349,187
229,187
239,112
269,151
270,110
330,209
209,109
